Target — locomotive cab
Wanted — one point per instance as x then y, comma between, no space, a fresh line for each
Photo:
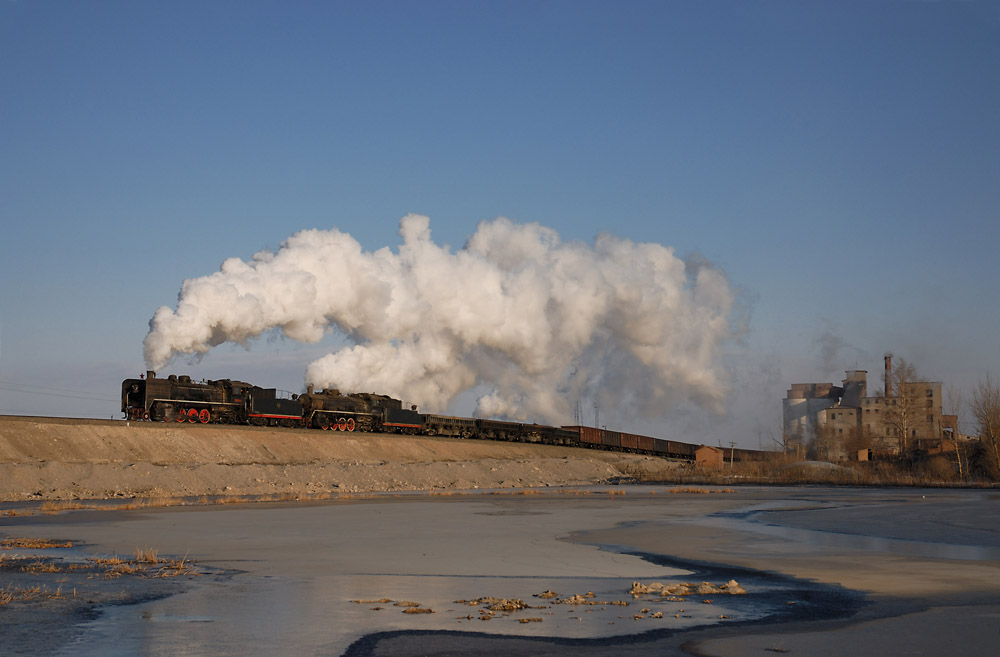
134,404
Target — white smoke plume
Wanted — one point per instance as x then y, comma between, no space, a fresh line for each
540,323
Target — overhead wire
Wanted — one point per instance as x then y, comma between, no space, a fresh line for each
54,392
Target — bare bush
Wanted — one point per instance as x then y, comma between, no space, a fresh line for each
985,407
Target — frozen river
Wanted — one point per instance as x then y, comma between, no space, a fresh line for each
325,579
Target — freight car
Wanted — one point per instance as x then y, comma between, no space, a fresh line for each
620,441
179,399
446,425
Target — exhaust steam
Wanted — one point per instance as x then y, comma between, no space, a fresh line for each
537,322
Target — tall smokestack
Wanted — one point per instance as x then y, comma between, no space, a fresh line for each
888,375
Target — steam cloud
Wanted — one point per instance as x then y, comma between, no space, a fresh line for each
539,322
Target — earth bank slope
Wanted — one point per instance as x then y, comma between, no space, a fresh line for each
58,459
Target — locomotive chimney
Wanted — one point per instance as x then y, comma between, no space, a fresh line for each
888,375
150,374
309,389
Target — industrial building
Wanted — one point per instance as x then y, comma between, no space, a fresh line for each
845,422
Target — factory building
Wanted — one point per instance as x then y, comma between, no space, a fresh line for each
846,420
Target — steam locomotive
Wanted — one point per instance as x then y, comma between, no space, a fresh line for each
179,399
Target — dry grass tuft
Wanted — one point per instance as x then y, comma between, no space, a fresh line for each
702,491
107,562
10,594
174,569
379,601
41,567
49,508
53,507
32,544
147,503
141,566
147,556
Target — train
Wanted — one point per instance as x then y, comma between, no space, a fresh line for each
225,401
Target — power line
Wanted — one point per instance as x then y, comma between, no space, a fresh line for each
53,392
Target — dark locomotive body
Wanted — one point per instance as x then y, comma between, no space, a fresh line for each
179,399
329,409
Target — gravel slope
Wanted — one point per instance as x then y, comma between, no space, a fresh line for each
58,459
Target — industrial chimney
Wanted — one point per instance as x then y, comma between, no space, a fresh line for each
888,375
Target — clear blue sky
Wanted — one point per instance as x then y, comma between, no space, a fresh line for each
839,160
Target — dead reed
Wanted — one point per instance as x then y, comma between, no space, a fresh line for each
32,544
147,556
143,566
12,594
702,491
41,568
51,507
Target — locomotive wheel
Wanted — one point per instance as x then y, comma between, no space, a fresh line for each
193,415
204,416
350,424
182,415
341,424
324,424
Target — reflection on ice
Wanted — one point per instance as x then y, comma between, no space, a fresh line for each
270,616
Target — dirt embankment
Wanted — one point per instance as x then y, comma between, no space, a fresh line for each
58,459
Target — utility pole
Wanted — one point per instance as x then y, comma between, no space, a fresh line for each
597,416
732,454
